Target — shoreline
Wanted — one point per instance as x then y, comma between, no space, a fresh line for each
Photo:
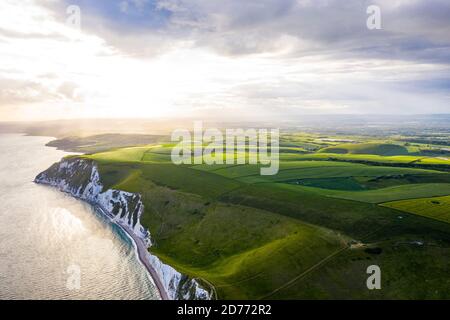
138,245
170,283
140,249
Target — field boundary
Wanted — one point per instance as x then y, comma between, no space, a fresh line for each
306,272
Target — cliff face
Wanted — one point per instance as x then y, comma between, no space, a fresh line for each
81,179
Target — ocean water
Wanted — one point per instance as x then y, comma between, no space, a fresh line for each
53,246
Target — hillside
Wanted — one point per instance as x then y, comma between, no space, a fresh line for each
381,149
281,236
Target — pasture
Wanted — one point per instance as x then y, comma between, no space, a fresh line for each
283,236
435,208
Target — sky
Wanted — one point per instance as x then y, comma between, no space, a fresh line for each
234,59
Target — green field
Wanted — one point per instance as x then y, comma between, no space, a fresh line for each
293,235
381,149
386,194
407,160
436,208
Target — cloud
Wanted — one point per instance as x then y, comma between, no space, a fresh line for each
13,92
267,58
69,91
414,30
20,92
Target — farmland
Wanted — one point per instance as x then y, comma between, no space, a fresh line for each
306,232
435,208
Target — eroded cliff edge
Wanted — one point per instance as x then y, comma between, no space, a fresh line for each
81,179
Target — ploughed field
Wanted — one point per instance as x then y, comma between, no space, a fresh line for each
308,232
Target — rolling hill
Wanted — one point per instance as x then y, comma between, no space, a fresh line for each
381,149
306,232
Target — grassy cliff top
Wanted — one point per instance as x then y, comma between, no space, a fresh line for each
292,235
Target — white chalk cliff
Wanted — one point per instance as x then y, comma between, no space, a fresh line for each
81,179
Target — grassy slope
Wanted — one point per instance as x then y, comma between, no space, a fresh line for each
333,171
408,271
436,208
384,194
225,244
103,142
257,240
367,158
382,149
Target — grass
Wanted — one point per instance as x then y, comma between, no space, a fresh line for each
226,244
104,142
401,192
121,155
382,149
328,169
435,208
230,246
341,183
287,236
355,219
369,158
135,176
408,271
